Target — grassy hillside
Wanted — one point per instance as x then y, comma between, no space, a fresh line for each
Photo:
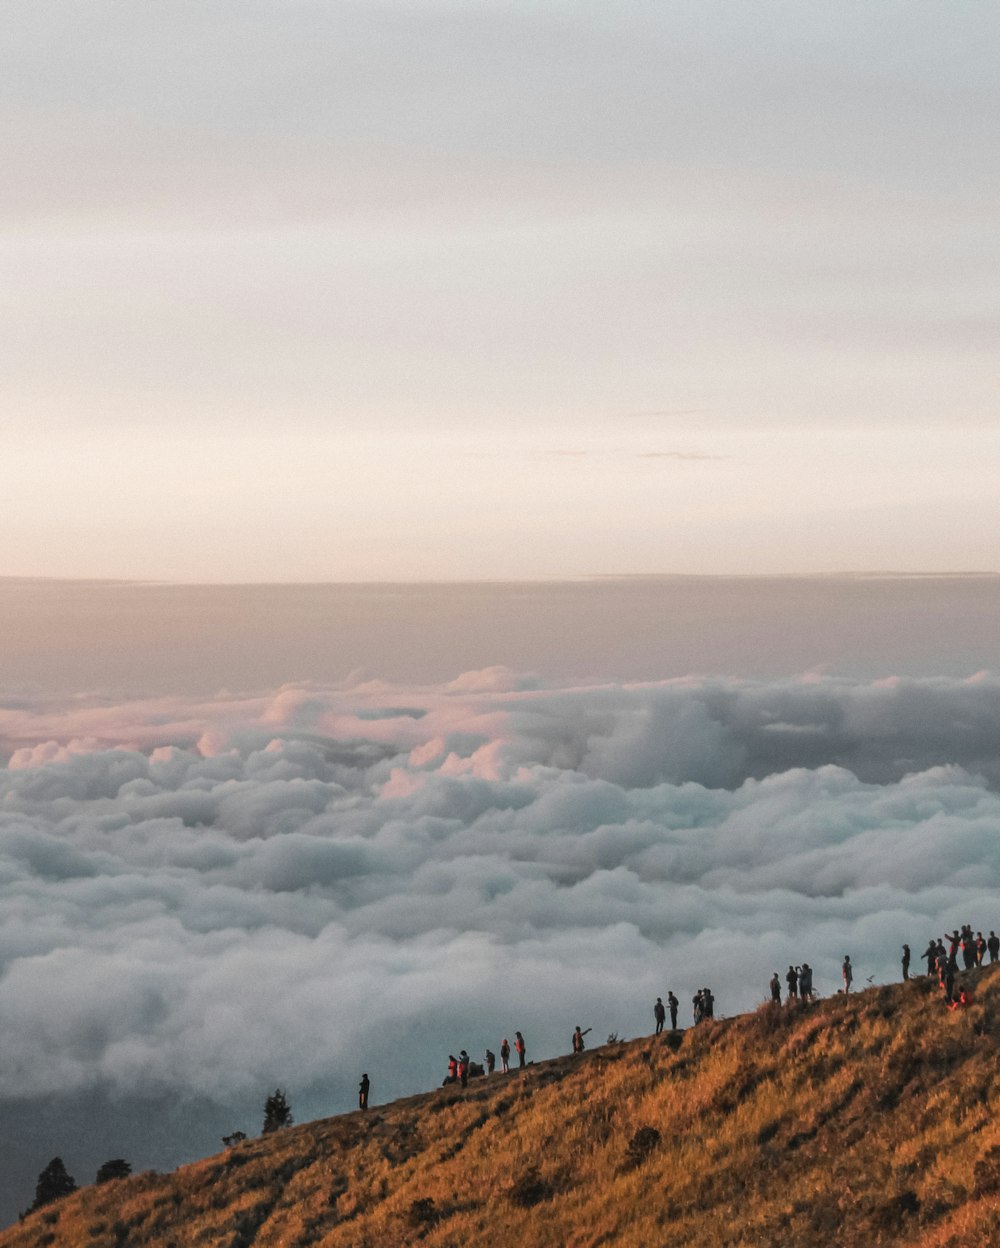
855,1121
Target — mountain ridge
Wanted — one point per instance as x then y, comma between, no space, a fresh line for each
856,1120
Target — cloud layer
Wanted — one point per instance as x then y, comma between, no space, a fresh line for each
199,898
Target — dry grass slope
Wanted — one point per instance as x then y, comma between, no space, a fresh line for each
855,1121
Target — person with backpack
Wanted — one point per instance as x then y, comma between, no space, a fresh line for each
491,1061
660,1014
505,1056
519,1049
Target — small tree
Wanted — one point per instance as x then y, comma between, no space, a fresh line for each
53,1183
237,1137
118,1168
277,1113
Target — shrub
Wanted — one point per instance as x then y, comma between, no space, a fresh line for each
423,1212
640,1146
530,1189
118,1168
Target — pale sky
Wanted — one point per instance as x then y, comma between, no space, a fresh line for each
325,291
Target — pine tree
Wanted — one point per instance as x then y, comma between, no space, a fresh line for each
277,1113
53,1183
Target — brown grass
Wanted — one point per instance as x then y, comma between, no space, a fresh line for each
856,1121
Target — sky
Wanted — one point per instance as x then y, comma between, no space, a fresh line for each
296,291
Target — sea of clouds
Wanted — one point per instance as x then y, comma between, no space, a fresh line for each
203,899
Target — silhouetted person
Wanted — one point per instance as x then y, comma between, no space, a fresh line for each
491,1061
672,1003
519,1048
707,1003
660,1014
993,945
775,989
505,1056
930,956
697,1008
363,1087
792,980
906,962
847,971
578,1040
968,948
452,1069
980,948
463,1068
805,982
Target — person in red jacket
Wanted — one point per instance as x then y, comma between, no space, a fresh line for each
452,1068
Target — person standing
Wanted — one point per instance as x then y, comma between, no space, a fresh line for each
980,948
906,962
775,986
993,945
792,980
505,1056
672,1004
519,1048
578,1040
660,1014
847,971
363,1088
806,982
491,1061
463,1068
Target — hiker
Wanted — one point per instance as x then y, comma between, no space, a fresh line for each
707,1003
930,956
463,1068
452,1069
578,1035
993,945
847,971
980,948
660,1014
363,1087
491,1061
906,963
697,1008
806,982
505,1056
792,980
519,1048
672,1003
775,989
968,947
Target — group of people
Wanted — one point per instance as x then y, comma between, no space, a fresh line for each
799,982
660,1012
942,957
461,1067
